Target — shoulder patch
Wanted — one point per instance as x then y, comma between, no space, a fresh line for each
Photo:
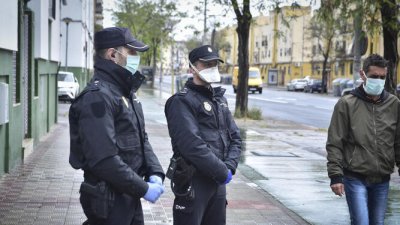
98,109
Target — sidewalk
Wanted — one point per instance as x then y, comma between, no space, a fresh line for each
44,190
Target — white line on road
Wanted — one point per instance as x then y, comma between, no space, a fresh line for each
262,99
269,100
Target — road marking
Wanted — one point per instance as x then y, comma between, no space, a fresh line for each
326,108
268,100
287,99
261,99
252,132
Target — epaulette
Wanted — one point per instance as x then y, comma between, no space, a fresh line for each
95,86
184,91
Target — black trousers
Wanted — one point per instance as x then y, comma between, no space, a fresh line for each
207,208
125,211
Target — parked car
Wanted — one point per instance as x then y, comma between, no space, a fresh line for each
350,86
313,85
254,82
296,85
68,86
398,89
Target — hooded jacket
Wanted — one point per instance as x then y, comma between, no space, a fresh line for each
203,131
364,137
107,132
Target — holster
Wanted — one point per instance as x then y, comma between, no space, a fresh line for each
181,173
101,198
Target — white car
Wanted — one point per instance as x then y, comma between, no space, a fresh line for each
296,85
68,86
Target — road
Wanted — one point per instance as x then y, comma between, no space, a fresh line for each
289,162
277,103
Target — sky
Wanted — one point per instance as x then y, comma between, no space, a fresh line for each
195,19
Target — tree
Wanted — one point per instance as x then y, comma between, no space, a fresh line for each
390,25
149,21
324,27
244,17
378,15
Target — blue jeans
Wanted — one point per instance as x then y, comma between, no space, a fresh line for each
367,202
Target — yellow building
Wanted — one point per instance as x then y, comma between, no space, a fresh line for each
285,52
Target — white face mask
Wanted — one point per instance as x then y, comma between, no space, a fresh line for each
209,75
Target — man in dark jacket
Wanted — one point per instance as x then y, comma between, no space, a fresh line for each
364,144
205,135
108,138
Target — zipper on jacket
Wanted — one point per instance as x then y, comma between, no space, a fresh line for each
376,145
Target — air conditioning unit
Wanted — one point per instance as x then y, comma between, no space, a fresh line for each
3,103
297,64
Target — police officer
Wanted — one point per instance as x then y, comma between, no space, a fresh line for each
108,138
204,133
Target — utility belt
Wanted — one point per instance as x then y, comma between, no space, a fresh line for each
180,172
366,178
99,194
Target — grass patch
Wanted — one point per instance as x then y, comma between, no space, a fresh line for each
255,114
252,113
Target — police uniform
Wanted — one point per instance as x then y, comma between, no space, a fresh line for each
109,142
204,133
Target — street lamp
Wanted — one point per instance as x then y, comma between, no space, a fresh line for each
68,20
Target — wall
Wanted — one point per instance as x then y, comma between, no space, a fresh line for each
32,81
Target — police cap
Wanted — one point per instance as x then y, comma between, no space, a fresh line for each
204,53
112,37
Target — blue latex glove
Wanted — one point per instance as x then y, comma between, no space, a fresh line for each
154,192
155,179
229,177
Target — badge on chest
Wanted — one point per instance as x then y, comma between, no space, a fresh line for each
207,106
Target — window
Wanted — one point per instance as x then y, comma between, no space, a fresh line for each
52,9
16,79
264,41
49,41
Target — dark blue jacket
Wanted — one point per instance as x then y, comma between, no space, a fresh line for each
203,131
107,131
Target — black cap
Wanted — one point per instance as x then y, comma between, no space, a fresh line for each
112,37
204,53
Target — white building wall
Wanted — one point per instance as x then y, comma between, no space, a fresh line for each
9,19
55,48
80,34
41,15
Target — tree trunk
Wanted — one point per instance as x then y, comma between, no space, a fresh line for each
324,66
243,61
390,28
153,77
324,76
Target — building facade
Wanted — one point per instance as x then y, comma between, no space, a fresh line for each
32,51
282,47
78,19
